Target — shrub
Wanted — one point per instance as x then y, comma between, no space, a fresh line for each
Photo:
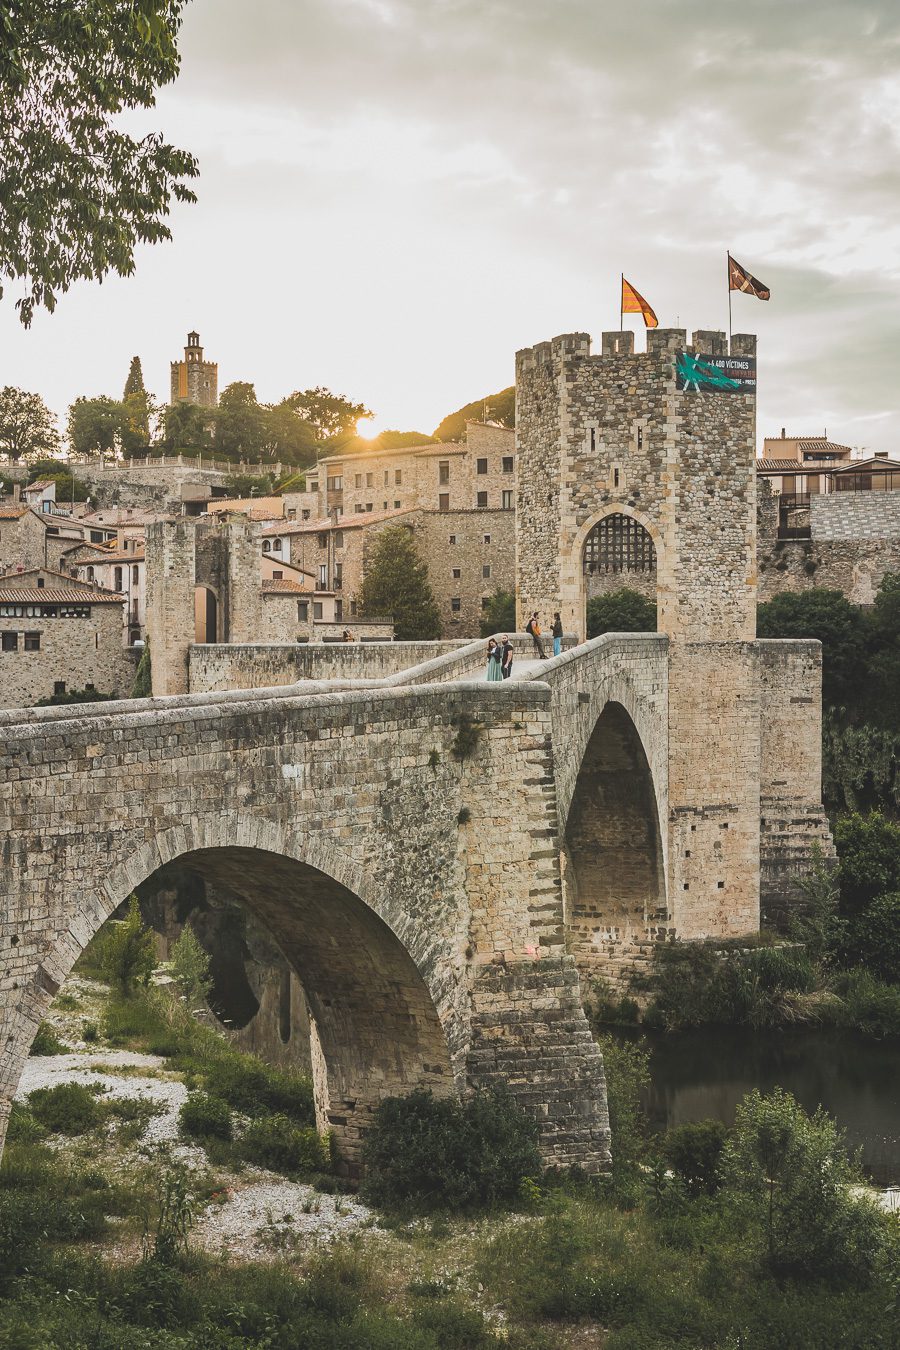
627,1068
250,1086
205,1117
500,615
426,1153
794,1176
468,734
870,1005
46,1042
90,1032
68,1108
872,939
190,969
694,1152
621,611
23,1128
869,850
277,1143
128,951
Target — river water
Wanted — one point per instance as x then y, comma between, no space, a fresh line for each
705,1072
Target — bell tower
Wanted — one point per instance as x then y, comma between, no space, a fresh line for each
194,380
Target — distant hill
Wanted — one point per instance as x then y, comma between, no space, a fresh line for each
385,440
492,408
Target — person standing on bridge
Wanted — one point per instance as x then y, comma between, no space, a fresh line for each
506,656
557,632
494,654
534,628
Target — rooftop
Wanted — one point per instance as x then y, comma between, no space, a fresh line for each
22,588
354,521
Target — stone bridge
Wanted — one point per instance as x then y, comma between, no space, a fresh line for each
434,855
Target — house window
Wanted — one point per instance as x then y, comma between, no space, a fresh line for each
455,604
384,506
481,466
304,515
266,546
32,642
506,499
302,611
486,572
313,487
323,576
396,506
507,463
90,574
359,508
481,501
444,501
398,477
387,477
317,609
335,484
338,575
368,506
59,687
456,573
444,472
338,610
486,538
370,480
339,538
40,582
358,480
485,602
10,642
277,574
323,540
134,574
117,579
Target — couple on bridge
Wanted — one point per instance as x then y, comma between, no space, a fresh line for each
499,658
534,628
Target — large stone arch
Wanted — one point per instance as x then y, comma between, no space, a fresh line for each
373,991
615,871
574,568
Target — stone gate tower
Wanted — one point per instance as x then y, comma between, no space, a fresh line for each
651,459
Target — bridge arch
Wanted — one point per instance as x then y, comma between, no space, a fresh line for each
618,541
614,856
377,1028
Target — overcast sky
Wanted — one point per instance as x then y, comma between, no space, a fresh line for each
395,195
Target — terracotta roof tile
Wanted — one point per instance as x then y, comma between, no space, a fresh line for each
285,587
58,595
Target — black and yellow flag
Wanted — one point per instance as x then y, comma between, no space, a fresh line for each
739,279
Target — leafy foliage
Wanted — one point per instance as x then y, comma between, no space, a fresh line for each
627,1067
694,1152
68,1108
187,426
330,415
240,422
128,951
46,1041
869,852
143,677
278,1143
494,408
500,615
95,425
190,969
836,622
793,1172
27,426
621,611
395,585
707,982
205,1117
424,1153
79,193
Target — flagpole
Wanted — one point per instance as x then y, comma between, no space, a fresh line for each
621,302
728,269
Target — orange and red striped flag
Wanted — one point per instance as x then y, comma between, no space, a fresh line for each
634,303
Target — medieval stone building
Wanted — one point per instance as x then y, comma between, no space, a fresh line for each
194,380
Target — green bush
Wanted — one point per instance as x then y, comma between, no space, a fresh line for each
128,951
626,1064
500,615
792,1172
190,969
23,1128
872,939
205,1117
250,1086
424,1153
699,983
46,1042
68,1108
869,1005
277,1143
694,1152
621,611
869,852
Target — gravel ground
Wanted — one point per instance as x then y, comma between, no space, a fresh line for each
262,1214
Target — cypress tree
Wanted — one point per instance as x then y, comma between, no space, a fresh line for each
135,382
396,586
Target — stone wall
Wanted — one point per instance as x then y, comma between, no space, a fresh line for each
467,542
73,652
260,666
346,814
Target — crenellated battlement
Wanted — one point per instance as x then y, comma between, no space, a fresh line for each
618,344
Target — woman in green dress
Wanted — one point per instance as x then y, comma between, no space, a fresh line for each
495,658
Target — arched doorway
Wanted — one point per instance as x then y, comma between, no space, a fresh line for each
206,615
614,874
617,551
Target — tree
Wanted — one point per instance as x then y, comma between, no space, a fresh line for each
95,425
329,414
240,422
128,951
839,626
869,850
396,586
493,408
135,381
288,436
792,1174
79,193
186,426
190,969
26,423
500,615
621,611
138,406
